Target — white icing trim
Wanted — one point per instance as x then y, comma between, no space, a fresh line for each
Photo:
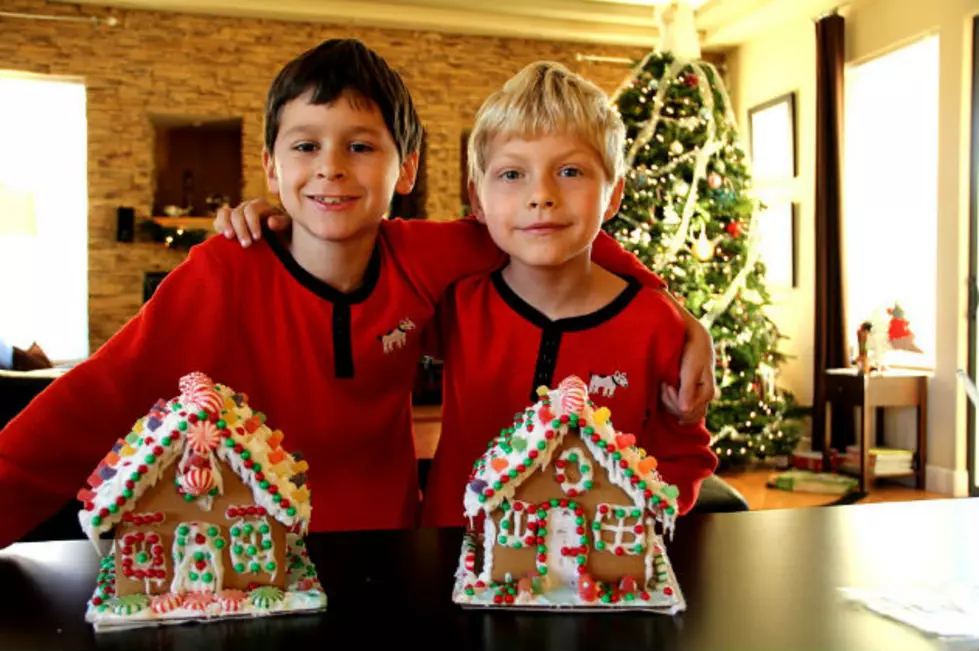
579,461
518,521
489,542
619,528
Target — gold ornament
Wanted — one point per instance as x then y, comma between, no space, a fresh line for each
703,248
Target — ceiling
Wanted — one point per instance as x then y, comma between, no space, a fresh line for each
722,23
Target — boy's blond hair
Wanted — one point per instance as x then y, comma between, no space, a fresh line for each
547,98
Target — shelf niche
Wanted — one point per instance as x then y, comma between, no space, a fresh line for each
195,157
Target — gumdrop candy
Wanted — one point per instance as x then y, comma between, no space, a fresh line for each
276,456
525,586
623,441
601,416
647,465
628,585
477,485
499,464
275,438
587,590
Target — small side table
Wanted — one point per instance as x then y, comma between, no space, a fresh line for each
846,387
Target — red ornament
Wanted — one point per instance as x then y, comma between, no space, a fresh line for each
691,80
733,229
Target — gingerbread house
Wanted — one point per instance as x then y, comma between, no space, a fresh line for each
565,511
206,513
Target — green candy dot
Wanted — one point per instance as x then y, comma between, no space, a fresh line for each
481,498
599,545
113,508
202,414
142,557
555,423
212,531
555,502
238,549
579,521
248,529
165,441
188,497
291,511
207,578
470,592
573,457
256,467
505,525
229,442
270,566
150,459
596,526
541,549
193,576
581,559
641,485
264,484
588,431
198,556
606,598
235,531
246,455
266,544
497,485
619,513
636,513
589,484
542,570
182,426
127,493
629,596
255,567
252,550
541,445
517,545
277,498
219,543
264,529
221,424
239,567
181,542
135,476
214,492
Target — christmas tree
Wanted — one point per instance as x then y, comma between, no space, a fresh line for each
689,215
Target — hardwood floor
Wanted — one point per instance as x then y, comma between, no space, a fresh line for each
751,484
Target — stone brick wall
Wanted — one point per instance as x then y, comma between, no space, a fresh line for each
183,64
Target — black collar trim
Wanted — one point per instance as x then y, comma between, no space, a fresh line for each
317,286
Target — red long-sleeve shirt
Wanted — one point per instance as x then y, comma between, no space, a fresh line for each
498,349
333,371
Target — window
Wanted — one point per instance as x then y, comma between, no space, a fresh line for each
514,529
890,193
44,215
619,529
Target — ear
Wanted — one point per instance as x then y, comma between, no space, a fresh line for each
615,200
408,174
476,208
268,164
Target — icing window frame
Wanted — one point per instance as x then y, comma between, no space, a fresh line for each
615,519
515,524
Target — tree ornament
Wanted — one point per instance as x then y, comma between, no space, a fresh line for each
733,229
714,180
676,148
703,248
691,80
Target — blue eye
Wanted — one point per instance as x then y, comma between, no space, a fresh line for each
570,172
510,175
305,147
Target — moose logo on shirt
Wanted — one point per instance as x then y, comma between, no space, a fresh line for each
396,338
607,384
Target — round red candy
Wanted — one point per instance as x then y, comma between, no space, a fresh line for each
200,539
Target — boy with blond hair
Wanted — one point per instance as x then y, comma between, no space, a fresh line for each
546,170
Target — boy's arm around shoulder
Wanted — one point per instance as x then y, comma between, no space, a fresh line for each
683,451
436,254
49,449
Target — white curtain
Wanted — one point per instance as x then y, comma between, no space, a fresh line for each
44,215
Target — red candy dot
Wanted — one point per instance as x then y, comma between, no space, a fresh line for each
200,539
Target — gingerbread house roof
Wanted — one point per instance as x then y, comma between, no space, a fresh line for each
207,421
530,443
